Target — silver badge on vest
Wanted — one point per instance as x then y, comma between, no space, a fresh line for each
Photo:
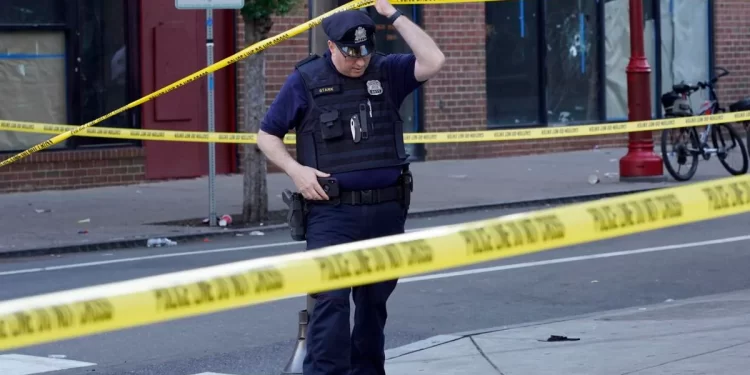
374,87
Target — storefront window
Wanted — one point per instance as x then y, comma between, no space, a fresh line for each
32,12
512,63
63,62
32,68
572,64
684,45
617,55
103,66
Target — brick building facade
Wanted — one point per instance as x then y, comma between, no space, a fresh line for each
510,64
456,100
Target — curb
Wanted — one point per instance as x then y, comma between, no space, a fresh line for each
219,233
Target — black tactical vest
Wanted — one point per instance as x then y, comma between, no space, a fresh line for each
351,123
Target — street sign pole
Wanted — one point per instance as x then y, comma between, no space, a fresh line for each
209,6
211,118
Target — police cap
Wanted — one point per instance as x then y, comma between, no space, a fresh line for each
353,31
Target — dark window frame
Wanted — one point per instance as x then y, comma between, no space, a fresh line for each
133,80
601,64
73,102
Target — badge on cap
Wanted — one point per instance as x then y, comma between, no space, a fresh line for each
374,87
360,35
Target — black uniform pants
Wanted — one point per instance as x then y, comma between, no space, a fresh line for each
331,350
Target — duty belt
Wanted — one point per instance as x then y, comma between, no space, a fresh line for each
367,197
375,196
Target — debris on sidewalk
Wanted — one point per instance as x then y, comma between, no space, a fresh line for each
257,233
225,220
42,210
556,338
159,242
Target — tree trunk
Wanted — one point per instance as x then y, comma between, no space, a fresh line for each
255,194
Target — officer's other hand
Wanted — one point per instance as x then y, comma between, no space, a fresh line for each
384,7
306,180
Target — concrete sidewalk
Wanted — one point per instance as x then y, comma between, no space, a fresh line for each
123,215
707,335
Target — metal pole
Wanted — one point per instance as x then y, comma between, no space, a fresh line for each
211,119
641,164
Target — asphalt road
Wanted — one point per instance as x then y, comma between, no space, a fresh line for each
648,268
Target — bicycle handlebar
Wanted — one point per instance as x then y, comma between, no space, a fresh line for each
689,89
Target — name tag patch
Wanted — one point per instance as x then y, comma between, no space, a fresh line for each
326,90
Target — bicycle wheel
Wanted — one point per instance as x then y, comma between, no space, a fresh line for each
717,137
683,151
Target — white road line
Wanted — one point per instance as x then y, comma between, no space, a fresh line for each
160,256
21,364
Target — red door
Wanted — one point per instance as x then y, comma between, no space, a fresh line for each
172,47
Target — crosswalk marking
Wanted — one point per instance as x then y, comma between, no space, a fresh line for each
21,364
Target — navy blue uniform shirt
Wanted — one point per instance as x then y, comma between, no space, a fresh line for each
289,106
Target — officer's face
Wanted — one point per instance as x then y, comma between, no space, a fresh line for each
347,65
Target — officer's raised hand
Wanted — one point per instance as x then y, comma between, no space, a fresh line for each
384,7
306,180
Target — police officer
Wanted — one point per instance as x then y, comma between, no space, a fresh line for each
350,168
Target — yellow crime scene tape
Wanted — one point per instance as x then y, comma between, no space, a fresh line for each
255,48
103,308
433,137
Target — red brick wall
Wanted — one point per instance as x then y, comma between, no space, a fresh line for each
46,170
455,99
732,51
280,59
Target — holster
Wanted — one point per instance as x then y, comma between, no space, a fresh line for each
297,215
407,187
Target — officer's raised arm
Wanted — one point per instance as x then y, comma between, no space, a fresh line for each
430,58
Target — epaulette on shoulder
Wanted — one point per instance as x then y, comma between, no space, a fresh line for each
307,59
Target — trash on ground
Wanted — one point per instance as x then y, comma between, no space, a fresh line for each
225,220
257,233
555,338
84,221
159,242
42,210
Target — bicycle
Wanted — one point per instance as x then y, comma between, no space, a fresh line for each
676,104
